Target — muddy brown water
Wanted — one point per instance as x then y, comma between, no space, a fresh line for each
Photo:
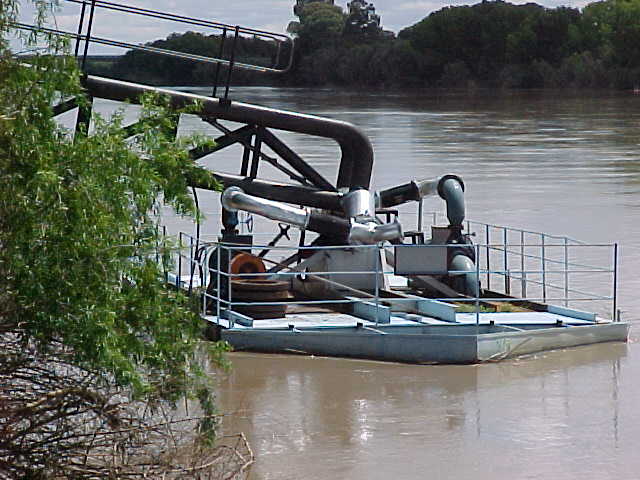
566,163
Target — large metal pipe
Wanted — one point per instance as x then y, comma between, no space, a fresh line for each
449,187
234,199
414,190
462,263
357,152
358,203
339,228
281,192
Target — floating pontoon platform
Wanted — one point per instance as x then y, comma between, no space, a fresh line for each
421,339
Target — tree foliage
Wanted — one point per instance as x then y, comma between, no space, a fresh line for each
491,43
84,307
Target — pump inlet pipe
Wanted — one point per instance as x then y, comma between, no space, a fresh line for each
350,230
449,187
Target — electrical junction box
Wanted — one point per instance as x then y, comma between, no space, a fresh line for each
420,260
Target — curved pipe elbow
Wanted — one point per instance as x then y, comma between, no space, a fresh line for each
370,233
357,152
233,199
451,189
462,263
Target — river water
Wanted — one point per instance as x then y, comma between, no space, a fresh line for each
566,163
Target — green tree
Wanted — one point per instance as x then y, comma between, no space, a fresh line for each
321,25
81,256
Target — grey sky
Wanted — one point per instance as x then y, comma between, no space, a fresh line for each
271,15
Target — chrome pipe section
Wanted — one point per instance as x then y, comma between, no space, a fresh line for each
357,153
234,199
358,203
462,263
370,232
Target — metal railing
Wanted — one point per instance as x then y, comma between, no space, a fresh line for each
533,275
516,260
227,33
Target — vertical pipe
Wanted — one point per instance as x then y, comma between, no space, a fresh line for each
523,278
566,272
88,37
544,267
615,281
80,26
223,37
420,206
486,236
232,62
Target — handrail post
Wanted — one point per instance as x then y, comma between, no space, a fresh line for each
80,27
179,272
477,299
232,62
505,241
88,38
219,283
164,263
544,266
566,272
223,37
229,283
486,235
523,275
615,281
378,254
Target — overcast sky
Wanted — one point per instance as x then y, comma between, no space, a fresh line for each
271,15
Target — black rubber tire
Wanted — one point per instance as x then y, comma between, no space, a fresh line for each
253,296
259,285
260,312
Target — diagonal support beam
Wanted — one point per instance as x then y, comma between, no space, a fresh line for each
257,154
293,159
242,135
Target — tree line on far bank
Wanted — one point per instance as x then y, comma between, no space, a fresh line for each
489,44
